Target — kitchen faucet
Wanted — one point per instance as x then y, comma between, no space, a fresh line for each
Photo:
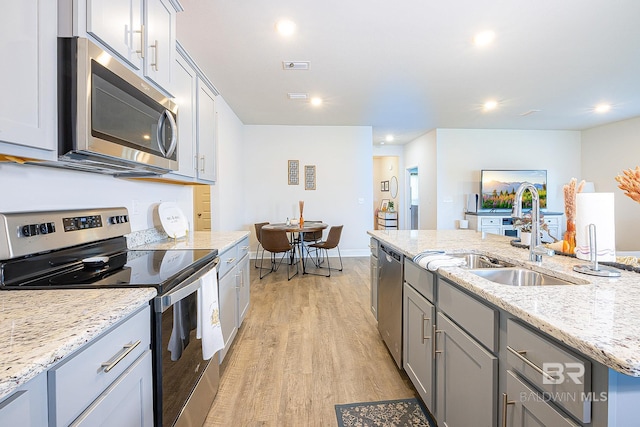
536,250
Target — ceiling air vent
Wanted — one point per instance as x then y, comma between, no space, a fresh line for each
295,65
298,95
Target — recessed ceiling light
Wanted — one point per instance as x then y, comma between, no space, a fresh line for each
286,27
484,38
316,101
490,105
602,108
389,138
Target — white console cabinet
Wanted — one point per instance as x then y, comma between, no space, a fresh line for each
502,223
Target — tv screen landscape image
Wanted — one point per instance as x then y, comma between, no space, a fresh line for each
498,188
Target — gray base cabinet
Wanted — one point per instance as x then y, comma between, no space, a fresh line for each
524,407
418,321
466,378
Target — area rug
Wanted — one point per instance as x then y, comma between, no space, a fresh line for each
403,412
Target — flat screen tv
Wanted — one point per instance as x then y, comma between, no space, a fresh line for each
498,188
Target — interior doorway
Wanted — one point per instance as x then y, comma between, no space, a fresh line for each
413,199
202,207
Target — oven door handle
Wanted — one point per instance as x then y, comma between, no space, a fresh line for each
186,288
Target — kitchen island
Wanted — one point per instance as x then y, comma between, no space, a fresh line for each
595,320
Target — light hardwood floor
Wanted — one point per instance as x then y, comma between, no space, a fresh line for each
305,346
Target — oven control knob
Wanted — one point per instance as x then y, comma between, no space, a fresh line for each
43,228
123,219
25,231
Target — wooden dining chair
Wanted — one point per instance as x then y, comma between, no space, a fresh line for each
332,242
276,242
258,226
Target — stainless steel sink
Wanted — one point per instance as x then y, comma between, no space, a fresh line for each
515,276
481,261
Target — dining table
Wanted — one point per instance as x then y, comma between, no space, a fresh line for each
307,227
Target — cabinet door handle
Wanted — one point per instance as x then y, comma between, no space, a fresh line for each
434,342
141,50
154,46
505,403
424,319
230,260
202,163
520,355
126,349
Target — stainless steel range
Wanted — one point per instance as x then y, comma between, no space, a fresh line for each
88,249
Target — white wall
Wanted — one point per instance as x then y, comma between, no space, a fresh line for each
462,153
227,201
421,153
606,152
35,188
343,159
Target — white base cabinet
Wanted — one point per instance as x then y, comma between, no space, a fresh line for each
28,116
234,291
107,382
27,406
126,401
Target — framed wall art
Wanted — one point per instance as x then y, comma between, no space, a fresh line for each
309,177
294,172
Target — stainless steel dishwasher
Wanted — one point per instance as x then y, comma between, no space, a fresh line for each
390,300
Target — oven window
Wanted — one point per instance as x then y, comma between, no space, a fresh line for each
182,363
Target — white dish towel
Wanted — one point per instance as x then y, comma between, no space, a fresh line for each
433,260
209,328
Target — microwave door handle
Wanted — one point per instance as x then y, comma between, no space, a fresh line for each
166,114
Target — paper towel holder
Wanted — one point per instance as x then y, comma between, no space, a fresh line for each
594,269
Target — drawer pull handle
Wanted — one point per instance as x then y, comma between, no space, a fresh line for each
126,349
245,248
230,260
424,319
520,355
505,402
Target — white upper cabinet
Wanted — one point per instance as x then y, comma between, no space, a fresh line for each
160,36
184,90
140,32
197,122
118,24
28,112
206,132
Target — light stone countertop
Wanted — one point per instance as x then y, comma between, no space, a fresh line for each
599,318
40,327
220,240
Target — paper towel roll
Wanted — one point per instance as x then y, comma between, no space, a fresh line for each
595,208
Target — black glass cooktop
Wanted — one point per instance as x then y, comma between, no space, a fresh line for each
104,264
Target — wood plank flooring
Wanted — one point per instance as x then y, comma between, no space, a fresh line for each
305,346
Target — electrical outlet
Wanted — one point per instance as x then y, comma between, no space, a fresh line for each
135,207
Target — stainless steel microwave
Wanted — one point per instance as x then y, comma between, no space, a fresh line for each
111,120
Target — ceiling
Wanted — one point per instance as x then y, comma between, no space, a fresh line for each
406,67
